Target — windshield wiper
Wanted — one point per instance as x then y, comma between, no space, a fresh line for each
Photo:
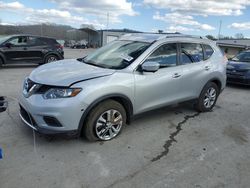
96,65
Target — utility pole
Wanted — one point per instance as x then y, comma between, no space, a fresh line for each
41,29
219,30
107,20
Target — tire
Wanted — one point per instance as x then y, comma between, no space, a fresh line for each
99,126
208,97
50,58
1,62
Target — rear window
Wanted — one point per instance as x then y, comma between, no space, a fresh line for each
34,41
208,51
49,41
191,53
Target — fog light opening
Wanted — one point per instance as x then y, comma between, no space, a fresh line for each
52,121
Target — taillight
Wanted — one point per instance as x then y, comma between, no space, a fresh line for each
59,46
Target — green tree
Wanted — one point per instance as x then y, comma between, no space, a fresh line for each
211,37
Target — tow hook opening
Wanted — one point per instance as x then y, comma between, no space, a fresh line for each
3,104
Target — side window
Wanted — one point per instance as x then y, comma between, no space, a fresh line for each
34,41
18,41
166,55
191,53
208,51
48,41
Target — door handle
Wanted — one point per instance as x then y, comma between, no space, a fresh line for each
176,75
207,67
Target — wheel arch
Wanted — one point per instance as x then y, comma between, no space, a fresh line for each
214,80
217,82
122,99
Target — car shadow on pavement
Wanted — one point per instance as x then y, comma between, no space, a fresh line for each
19,66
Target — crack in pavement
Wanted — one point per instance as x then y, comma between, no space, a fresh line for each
166,146
172,136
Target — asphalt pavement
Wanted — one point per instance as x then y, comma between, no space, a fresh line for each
172,147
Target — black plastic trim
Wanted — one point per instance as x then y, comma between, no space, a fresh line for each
129,108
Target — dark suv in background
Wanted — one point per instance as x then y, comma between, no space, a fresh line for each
29,49
238,69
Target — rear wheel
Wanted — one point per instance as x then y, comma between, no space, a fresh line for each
51,58
105,121
208,97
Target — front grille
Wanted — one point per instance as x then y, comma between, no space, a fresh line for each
236,72
238,80
28,84
27,117
31,88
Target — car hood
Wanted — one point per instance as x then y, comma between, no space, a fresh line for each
67,72
239,65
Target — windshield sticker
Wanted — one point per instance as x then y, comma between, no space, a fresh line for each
126,57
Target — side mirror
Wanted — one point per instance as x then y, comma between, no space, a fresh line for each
150,66
8,45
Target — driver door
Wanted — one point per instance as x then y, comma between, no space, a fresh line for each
156,89
15,49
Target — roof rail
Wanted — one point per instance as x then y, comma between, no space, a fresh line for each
151,37
184,35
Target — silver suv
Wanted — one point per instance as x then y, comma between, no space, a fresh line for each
98,94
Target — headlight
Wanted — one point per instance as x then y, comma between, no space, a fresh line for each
55,93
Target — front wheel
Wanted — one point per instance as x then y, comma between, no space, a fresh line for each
208,97
105,121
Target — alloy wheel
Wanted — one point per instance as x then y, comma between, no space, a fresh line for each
109,124
51,59
210,97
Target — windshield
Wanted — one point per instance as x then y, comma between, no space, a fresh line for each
3,39
117,55
242,57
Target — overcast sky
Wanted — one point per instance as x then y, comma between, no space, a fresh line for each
199,17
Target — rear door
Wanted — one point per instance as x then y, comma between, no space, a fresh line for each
196,68
36,48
